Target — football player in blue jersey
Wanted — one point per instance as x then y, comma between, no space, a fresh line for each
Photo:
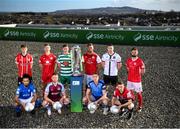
96,93
25,96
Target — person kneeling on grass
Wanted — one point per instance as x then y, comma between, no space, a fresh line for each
54,95
25,96
96,94
122,100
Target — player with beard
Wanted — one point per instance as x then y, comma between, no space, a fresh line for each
135,68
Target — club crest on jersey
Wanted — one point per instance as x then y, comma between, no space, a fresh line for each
47,62
51,58
66,63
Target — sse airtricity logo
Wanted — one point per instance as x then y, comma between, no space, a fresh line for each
137,37
89,35
46,34
6,33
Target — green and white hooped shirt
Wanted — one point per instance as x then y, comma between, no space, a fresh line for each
66,64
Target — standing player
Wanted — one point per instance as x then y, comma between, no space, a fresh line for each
47,65
96,92
135,68
25,93
91,63
111,62
24,62
65,66
123,98
54,92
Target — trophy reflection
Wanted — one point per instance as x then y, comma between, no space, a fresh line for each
76,61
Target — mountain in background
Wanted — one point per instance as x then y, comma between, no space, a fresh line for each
105,11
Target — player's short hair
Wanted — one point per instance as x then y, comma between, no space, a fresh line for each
65,45
89,44
110,44
119,83
26,76
55,73
46,44
134,48
23,46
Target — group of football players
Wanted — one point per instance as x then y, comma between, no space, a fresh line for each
56,74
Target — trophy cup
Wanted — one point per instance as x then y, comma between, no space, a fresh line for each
76,60
76,79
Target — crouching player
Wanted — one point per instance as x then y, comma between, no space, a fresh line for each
54,95
96,94
123,100
25,96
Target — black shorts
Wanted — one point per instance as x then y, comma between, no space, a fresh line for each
123,101
110,80
20,80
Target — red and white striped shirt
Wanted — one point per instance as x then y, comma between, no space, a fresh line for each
24,64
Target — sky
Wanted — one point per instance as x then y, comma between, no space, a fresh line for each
53,5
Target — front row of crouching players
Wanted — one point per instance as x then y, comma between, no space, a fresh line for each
55,96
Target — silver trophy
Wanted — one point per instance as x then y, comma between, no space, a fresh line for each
76,60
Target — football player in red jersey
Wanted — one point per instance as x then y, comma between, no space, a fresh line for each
135,68
123,98
54,92
47,63
24,62
91,62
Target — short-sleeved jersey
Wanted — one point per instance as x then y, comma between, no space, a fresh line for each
110,68
65,63
24,64
24,92
48,62
134,67
97,90
54,91
126,95
90,62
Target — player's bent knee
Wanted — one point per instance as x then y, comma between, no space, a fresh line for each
131,106
44,103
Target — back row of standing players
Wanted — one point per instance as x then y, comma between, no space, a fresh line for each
96,89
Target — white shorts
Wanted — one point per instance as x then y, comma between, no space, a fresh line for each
25,100
87,78
135,86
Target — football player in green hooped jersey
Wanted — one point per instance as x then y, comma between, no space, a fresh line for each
64,65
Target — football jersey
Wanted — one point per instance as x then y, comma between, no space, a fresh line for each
134,67
97,90
24,92
24,64
90,62
110,68
126,95
54,91
48,63
66,66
